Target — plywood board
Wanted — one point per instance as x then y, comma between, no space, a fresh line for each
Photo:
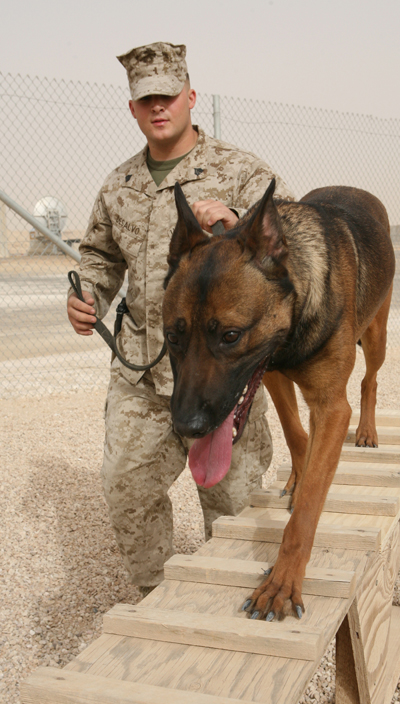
363,490
387,435
249,573
221,632
245,528
198,623
357,474
321,558
385,688
250,677
48,685
336,501
239,676
383,417
349,669
374,604
386,454
344,521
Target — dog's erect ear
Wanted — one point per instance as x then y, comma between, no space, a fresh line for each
187,233
262,234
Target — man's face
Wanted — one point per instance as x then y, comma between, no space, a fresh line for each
164,119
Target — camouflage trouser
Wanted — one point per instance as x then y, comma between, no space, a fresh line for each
142,458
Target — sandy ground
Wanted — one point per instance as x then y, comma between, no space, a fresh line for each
60,567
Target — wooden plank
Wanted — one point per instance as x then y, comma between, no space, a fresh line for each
338,503
374,608
355,490
386,417
249,573
347,675
271,530
333,559
222,632
387,435
357,663
49,685
339,521
385,688
258,678
366,474
389,454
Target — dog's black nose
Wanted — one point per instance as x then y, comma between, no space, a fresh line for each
195,427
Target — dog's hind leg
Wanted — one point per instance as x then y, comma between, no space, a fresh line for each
373,342
282,392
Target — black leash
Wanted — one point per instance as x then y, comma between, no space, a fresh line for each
107,336
122,308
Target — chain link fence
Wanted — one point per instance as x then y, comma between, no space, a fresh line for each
59,140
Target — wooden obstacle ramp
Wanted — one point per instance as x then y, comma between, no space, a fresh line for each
188,642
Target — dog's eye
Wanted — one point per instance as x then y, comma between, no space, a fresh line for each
172,338
231,336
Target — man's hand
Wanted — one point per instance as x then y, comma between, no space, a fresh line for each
81,315
208,212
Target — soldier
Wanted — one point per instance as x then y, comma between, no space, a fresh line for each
129,231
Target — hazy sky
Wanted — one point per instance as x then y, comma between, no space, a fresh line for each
336,54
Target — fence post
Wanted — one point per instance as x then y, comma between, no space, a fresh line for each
217,117
3,231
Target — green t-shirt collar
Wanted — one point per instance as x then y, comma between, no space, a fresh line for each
159,170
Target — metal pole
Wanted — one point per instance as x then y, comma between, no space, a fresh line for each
38,226
217,117
45,231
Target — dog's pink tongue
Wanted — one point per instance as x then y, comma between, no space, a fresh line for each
210,457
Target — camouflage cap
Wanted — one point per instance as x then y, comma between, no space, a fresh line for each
155,69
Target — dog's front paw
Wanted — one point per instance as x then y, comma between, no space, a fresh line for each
268,601
366,436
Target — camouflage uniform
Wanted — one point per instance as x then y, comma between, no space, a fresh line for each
130,229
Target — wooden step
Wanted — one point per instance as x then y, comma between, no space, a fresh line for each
209,647
336,503
249,573
240,634
48,685
385,417
386,454
387,435
271,531
365,474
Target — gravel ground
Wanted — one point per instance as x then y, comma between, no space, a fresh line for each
61,569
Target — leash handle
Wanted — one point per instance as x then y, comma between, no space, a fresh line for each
107,336
218,228
75,282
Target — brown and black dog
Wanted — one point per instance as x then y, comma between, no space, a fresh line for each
283,297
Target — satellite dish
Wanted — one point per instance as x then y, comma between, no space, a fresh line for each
51,213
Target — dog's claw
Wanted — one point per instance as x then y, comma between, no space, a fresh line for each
299,611
268,571
255,615
246,604
283,492
270,616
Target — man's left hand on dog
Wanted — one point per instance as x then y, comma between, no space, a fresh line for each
208,212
